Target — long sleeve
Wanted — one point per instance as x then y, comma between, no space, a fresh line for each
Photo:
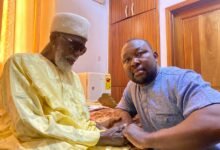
45,108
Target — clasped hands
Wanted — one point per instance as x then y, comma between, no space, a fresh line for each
113,136
123,134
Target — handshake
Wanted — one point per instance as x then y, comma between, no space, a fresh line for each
118,127
113,137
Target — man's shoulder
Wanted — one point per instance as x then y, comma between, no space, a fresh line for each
24,56
172,71
23,60
178,74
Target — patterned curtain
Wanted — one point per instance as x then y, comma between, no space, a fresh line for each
25,26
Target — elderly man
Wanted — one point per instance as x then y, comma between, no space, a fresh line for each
42,105
177,108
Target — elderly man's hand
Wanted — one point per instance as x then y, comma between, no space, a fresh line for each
113,137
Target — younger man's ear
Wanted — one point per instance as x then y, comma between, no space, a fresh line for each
155,55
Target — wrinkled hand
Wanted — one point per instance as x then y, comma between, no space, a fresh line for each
136,135
113,137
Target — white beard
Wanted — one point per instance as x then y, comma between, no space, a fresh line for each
61,62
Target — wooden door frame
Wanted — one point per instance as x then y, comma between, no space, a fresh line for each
173,11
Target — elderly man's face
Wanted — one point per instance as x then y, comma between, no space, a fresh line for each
67,50
139,61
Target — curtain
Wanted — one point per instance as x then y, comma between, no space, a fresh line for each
25,26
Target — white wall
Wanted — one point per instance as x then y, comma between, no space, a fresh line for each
163,4
96,57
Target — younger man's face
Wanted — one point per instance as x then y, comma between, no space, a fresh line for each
139,61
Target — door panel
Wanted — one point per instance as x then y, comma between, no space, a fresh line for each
209,29
135,27
194,40
140,6
122,9
118,10
191,44
120,34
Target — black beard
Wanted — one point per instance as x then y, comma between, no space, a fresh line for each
151,75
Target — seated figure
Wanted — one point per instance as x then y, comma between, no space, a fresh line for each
42,105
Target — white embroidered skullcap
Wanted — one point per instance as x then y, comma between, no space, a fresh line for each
70,23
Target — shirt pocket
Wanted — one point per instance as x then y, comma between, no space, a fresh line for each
165,119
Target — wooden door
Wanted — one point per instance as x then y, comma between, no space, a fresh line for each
122,9
119,10
195,38
140,6
140,26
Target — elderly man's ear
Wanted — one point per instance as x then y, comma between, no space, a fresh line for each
53,36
